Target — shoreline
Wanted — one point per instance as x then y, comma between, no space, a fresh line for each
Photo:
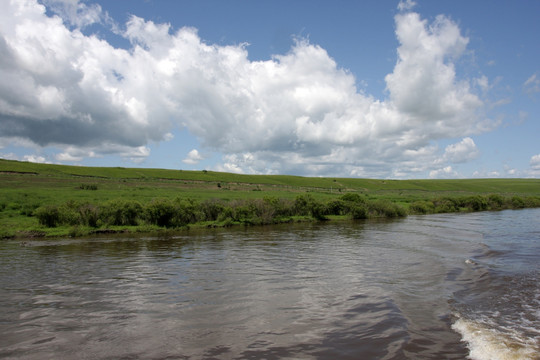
46,200
80,232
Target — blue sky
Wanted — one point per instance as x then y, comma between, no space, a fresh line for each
380,89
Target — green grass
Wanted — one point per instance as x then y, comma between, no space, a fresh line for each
25,186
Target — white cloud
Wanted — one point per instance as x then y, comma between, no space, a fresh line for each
297,112
9,156
30,158
193,157
483,83
76,12
444,173
535,162
35,158
532,84
461,152
406,5
74,154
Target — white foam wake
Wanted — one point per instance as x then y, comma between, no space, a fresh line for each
486,342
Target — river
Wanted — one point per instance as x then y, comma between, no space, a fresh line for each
448,286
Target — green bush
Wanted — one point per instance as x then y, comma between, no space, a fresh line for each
495,202
187,212
88,187
211,209
305,205
446,205
318,211
336,207
532,201
48,215
353,197
89,215
302,205
385,208
474,203
421,207
121,212
282,207
160,212
359,211
517,202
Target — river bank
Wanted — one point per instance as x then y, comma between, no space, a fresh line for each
76,219
43,200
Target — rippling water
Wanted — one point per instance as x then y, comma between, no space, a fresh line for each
426,287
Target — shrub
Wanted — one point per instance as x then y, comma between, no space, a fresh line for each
517,202
385,208
495,201
352,203
421,207
260,212
123,213
474,203
211,209
160,212
335,207
354,198
308,205
359,211
281,207
187,212
48,215
302,204
76,231
89,215
88,187
318,211
532,201
228,213
445,205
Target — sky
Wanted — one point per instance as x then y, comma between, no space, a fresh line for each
371,89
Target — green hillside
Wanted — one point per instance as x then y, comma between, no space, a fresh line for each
279,182
45,199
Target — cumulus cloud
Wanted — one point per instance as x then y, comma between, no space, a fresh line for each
35,158
74,154
76,13
30,158
297,112
535,162
406,5
444,173
193,157
461,152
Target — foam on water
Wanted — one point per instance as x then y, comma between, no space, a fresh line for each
486,341
502,320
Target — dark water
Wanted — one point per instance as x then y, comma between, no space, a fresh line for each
427,287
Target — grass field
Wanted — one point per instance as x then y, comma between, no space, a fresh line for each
26,187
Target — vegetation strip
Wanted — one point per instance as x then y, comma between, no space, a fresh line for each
54,202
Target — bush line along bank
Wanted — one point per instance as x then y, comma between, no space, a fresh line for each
181,212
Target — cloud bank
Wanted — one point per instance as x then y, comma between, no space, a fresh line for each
296,113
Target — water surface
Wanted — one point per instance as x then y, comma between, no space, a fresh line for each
426,287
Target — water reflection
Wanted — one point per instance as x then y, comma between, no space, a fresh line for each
380,290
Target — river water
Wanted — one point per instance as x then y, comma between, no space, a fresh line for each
451,286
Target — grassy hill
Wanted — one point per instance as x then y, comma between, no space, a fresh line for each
66,173
27,187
